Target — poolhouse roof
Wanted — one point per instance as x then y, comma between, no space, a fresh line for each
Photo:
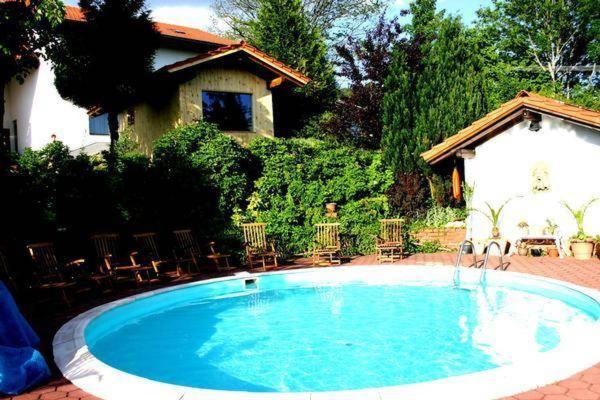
515,109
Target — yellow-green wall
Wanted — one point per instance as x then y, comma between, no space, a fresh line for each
183,105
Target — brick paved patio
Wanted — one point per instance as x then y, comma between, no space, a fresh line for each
582,386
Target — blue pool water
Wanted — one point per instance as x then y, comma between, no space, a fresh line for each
299,337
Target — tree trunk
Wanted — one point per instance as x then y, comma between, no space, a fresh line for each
113,127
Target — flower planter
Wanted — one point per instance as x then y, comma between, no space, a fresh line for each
552,251
582,249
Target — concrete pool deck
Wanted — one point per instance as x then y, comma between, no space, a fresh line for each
584,385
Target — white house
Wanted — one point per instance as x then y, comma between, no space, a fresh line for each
535,153
35,112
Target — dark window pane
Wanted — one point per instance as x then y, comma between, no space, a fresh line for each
99,125
230,111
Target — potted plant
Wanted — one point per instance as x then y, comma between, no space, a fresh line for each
524,227
522,249
550,228
552,251
493,214
582,245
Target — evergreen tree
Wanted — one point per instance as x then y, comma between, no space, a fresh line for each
106,61
434,89
398,145
282,30
450,92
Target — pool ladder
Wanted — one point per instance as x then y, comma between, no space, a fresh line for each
461,250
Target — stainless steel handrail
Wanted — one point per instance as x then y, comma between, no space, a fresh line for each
459,257
487,256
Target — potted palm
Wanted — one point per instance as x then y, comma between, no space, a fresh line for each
550,228
493,215
582,245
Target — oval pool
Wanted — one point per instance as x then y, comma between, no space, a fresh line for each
372,330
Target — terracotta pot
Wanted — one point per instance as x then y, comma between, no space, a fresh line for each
582,250
552,252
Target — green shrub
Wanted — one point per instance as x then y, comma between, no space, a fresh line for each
227,165
439,217
300,176
429,247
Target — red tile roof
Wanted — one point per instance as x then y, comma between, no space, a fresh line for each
256,55
167,30
523,101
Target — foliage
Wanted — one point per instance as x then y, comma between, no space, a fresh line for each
300,176
196,178
364,62
228,166
282,30
438,217
493,214
449,93
527,42
26,27
579,216
430,247
434,89
409,195
335,18
106,62
551,227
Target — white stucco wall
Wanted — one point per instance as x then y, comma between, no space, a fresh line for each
166,56
503,167
40,112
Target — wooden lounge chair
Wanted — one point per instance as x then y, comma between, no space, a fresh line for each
147,250
256,245
109,257
49,274
327,245
389,244
219,258
187,250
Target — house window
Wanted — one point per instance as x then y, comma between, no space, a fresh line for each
229,111
99,125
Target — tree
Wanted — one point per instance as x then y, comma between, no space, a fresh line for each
450,91
364,63
544,37
282,30
334,18
105,62
434,89
26,28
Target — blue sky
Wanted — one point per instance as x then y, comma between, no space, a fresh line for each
197,13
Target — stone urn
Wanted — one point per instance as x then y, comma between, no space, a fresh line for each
331,210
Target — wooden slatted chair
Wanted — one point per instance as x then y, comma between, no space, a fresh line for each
187,250
50,274
327,245
111,260
147,250
389,244
257,246
221,260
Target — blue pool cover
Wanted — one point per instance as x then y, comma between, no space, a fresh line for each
21,365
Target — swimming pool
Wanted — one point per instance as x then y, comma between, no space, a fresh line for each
372,331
